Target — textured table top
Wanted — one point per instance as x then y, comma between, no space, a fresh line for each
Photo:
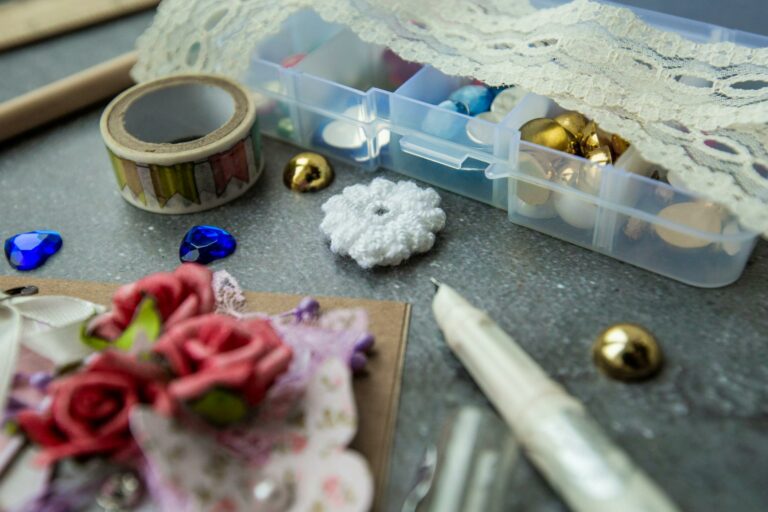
699,429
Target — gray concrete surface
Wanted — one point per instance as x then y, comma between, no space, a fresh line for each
700,429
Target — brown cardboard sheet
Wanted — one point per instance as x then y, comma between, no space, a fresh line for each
377,392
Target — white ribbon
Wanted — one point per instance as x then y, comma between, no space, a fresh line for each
49,325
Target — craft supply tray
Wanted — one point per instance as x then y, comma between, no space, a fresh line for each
319,86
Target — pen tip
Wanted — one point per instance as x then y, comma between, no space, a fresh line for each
436,283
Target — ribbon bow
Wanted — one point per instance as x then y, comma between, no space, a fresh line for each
48,325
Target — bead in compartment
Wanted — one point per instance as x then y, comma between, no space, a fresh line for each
476,98
506,100
593,138
698,215
573,122
532,200
546,132
618,146
480,131
600,156
573,210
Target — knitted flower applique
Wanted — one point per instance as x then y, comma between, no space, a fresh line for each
382,223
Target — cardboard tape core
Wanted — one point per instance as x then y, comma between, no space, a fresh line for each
183,143
179,112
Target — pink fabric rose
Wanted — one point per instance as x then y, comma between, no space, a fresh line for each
184,293
213,351
89,410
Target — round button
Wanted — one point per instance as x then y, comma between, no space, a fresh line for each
627,352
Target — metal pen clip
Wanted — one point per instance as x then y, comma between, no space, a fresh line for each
19,291
425,475
471,468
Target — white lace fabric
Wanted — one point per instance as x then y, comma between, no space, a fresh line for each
230,299
698,110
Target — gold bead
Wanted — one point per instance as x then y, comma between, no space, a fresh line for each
582,177
573,122
593,138
307,172
627,352
618,146
546,132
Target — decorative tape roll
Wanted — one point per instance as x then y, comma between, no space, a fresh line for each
183,144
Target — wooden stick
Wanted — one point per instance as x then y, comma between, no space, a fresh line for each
24,21
65,96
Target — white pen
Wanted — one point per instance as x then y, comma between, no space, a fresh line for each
589,471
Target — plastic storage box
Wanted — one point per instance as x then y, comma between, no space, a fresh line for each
321,87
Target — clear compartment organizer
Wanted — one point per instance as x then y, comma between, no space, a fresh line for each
350,99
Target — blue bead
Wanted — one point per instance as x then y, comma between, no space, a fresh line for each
28,251
204,244
477,98
496,89
442,122
454,106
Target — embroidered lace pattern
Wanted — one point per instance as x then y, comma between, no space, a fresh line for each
699,110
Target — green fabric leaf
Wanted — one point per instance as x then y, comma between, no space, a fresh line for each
92,341
143,330
220,407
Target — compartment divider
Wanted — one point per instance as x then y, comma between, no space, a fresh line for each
616,187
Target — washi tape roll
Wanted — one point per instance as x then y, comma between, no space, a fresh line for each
183,144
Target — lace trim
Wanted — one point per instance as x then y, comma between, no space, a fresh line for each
229,296
699,110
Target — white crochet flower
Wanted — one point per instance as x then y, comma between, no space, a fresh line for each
382,223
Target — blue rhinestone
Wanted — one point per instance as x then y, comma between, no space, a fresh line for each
28,251
204,244
477,98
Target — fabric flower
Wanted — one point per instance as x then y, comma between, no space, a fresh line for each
89,410
296,454
184,293
382,223
217,351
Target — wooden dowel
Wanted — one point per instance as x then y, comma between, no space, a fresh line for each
65,96
25,21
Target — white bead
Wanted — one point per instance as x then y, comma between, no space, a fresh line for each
576,212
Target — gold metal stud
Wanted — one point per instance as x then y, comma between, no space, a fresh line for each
546,132
573,122
593,137
600,156
307,172
627,352
618,146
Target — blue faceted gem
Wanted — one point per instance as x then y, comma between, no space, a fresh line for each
204,244
28,251
477,98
